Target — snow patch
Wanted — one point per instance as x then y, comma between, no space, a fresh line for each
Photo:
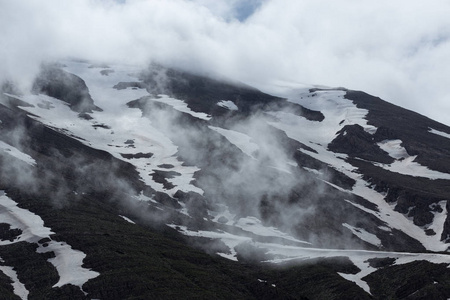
365,268
240,140
384,228
181,106
127,219
230,240
439,220
444,134
254,225
142,197
392,218
394,148
19,288
228,105
358,257
364,235
335,186
68,262
13,151
224,214
405,163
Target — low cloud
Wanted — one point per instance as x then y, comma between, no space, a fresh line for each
395,50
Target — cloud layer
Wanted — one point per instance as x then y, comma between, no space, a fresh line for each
398,50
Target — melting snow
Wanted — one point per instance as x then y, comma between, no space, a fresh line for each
393,218
339,112
405,163
444,134
142,197
358,257
19,288
364,235
254,225
384,228
394,148
111,129
409,167
228,105
230,240
127,219
68,262
240,140
365,268
181,106
13,151
224,213
439,219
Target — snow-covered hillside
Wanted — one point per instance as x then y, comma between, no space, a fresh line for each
306,174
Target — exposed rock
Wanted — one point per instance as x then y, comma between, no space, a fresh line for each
354,141
67,87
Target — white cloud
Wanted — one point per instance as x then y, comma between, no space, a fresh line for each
398,50
231,9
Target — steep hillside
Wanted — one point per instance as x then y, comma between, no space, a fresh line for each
127,183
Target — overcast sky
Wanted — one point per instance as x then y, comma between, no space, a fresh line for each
397,50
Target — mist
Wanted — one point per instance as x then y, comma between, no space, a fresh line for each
398,51
378,47
262,181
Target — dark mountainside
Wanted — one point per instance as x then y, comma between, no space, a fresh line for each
251,204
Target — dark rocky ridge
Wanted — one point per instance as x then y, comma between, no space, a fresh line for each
412,128
354,141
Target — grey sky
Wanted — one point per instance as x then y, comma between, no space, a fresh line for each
398,50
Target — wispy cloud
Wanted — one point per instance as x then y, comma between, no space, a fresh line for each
397,50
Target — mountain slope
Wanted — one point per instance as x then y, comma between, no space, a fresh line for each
142,180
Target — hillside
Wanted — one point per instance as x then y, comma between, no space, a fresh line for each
121,182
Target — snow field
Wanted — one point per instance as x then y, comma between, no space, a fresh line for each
19,288
113,128
339,112
67,261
